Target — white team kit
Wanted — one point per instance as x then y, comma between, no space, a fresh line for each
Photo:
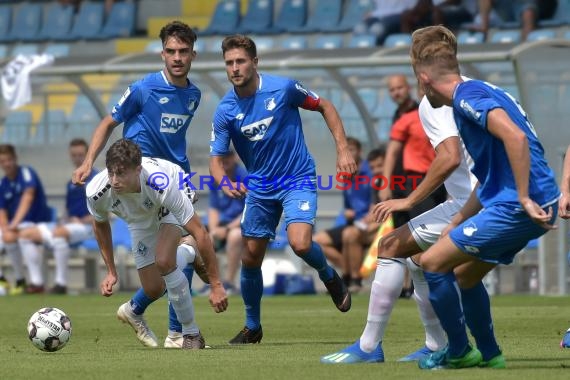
160,201
439,124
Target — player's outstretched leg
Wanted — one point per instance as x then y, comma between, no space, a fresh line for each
251,292
354,354
131,314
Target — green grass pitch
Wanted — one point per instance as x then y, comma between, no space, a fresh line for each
298,331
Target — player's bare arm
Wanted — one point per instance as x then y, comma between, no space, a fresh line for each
98,141
564,203
102,231
470,208
344,162
218,298
234,190
23,207
515,141
447,159
393,151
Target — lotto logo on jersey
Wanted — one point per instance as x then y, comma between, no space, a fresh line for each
256,131
171,122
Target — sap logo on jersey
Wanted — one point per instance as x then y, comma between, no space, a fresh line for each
256,131
171,122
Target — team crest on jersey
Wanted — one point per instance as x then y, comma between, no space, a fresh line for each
256,131
141,249
270,104
469,229
240,116
171,122
148,203
163,100
304,205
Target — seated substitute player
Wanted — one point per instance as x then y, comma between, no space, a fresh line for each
564,212
128,188
76,228
260,115
516,199
224,216
357,200
22,204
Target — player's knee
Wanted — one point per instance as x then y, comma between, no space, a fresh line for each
300,246
165,265
388,246
234,234
350,235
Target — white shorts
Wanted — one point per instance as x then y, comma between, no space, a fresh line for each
427,227
78,232
144,241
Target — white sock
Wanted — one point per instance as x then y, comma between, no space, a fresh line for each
179,297
185,254
61,252
436,338
13,250
34,260
386,288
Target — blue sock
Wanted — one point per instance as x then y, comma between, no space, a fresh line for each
477,310
251,292
316,259
140,302
173,324
444,297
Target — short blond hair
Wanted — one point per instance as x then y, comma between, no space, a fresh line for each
435,45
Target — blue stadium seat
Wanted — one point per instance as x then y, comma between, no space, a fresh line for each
88,22
326,14
370,98
54,123
3,52
353,14
121,234
225,19
362,41
293,14
25,49
5,22
561,16
264,43
83,118
566,35
466,37
398,39
57,49
17,128
294,43
258,18
153,47
328,42
57,22
506,36
121,21
541,34
26,22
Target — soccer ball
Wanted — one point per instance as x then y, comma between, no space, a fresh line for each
49,329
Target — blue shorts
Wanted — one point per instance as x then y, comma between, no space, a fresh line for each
261,214
498,233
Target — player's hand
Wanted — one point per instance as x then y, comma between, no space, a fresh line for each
345,163
382,210
107,284
236,190
564,206
81,174
537,214
218,298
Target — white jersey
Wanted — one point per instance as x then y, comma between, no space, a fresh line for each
439,124
143,210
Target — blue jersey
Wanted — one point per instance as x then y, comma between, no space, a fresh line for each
11,194
228,208
266,131
358,198
75,201
472,101
157,115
